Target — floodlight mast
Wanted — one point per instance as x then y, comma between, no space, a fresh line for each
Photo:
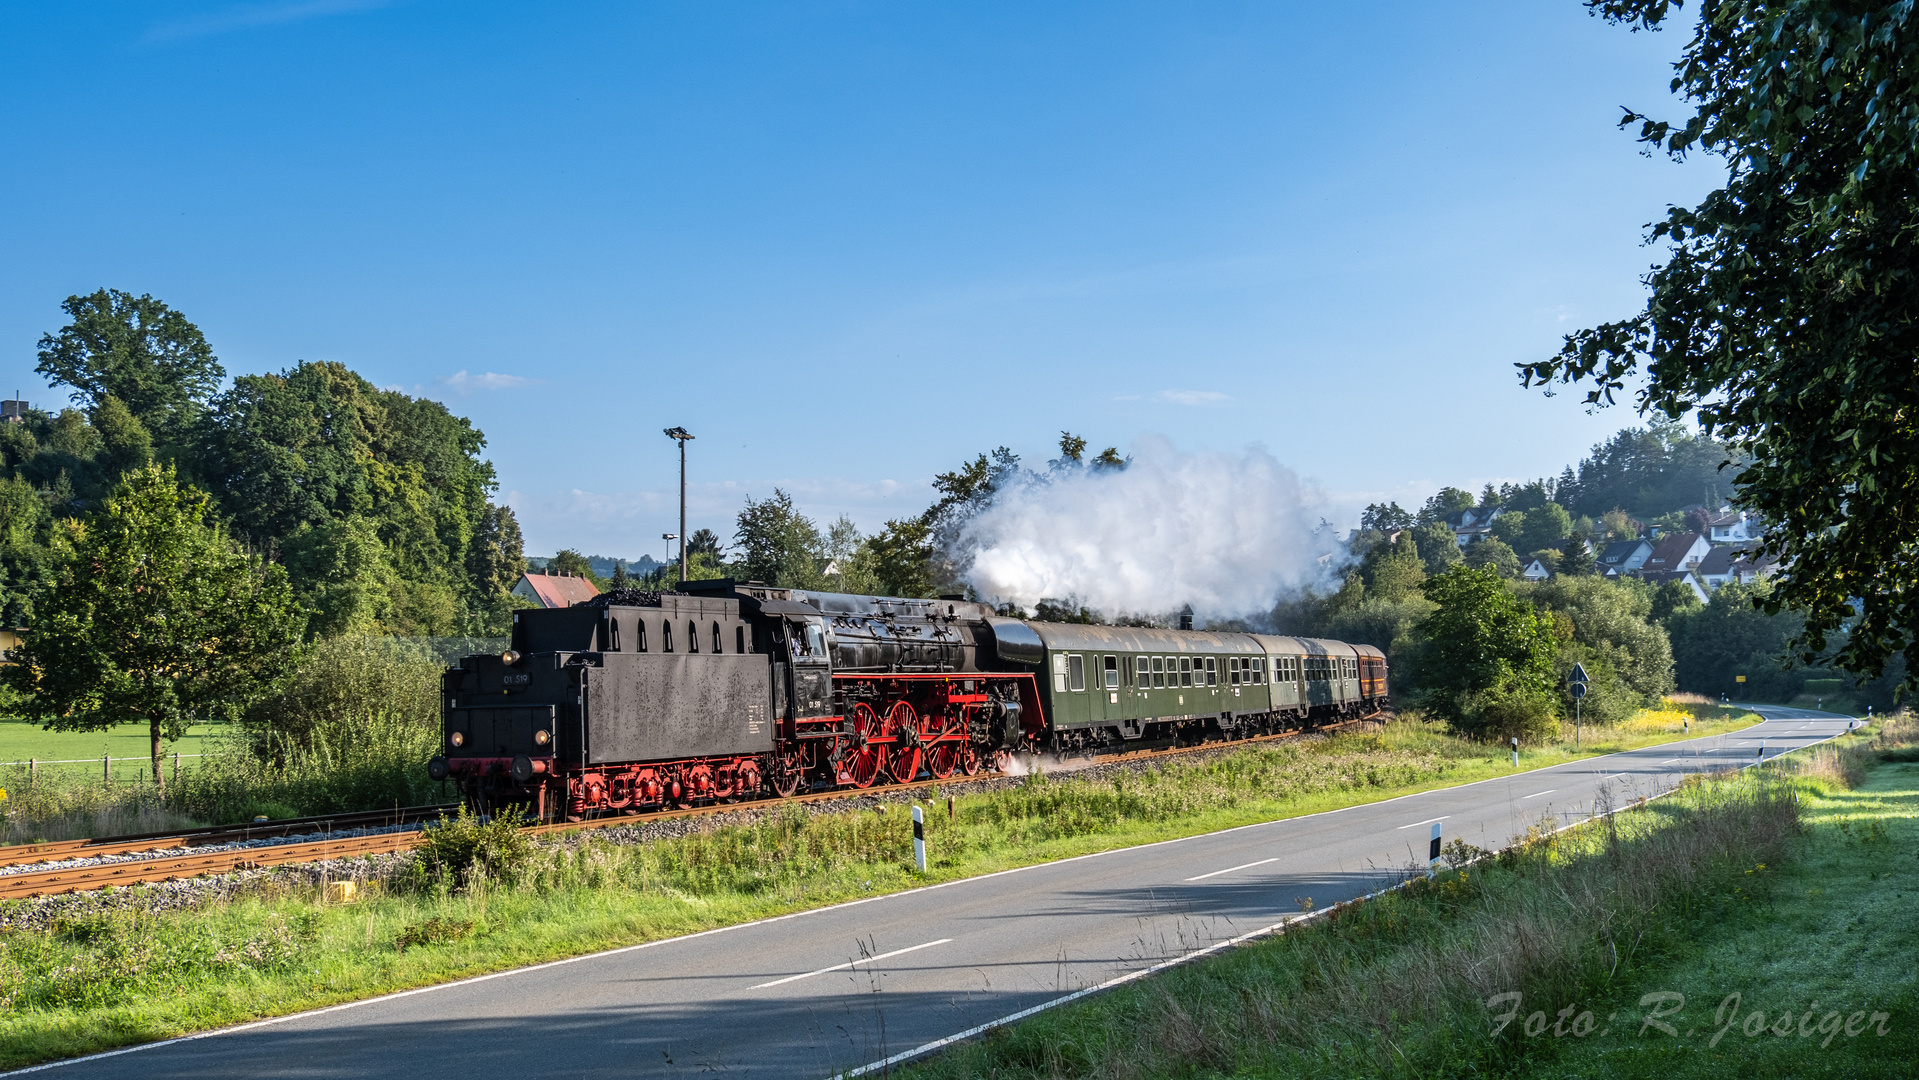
681,435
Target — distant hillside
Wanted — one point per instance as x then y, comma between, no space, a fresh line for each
604,565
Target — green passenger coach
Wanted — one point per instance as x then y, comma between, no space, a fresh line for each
1108,685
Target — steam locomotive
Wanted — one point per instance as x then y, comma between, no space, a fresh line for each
722,691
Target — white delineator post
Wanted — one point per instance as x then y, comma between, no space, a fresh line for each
1432,850
1515,751
919,839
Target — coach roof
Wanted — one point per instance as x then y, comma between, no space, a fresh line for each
1078,637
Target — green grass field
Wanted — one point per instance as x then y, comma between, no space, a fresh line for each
21,740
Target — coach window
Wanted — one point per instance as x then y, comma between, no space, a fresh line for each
1259,675
1076,672
1059,673
1112,672
1159,671
666,636
1186,671
1212,671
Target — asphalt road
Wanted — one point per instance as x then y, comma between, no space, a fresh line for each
812,994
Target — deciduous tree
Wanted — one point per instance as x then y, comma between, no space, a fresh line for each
138,350
1787,310
1481,640
158,618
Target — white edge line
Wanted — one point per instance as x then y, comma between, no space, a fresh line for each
1537,794
851,963
1428,821
1230,869
1075,996
395,996
927,1048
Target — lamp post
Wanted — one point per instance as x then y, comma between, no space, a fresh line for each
681,435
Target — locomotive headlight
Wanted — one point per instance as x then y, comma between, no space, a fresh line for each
510,657
542,737
458,738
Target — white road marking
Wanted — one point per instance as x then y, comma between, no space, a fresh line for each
1537,794
1230,869
1428,821
852,963
1670,760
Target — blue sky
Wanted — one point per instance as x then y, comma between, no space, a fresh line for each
851,244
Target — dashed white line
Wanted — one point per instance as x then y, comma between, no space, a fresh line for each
1428,821
852,963
1230,869
1537,794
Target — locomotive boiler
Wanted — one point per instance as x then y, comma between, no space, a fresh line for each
721,691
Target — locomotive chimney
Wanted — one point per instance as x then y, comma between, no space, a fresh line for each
1186,617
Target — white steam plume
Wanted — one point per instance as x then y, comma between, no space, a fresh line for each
1226,534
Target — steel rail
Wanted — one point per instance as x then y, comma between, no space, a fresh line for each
147,871
55,851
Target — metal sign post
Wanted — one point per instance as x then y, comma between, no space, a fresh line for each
1579,681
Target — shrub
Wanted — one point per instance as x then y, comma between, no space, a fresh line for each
368,763
1506,711
453,850
344,682
351,729
434,931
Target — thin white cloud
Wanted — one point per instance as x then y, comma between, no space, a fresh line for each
462,383
248,16
1194,397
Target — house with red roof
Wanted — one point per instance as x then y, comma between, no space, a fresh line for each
555,590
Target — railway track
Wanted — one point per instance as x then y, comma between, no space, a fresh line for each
57,851
147,871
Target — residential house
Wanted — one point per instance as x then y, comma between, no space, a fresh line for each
1686,577
1679,551
1747,569
1473,525
1717,567
555,590
1536,571
1624,556
1733,527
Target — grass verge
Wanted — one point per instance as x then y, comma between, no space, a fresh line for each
120,972
1614,949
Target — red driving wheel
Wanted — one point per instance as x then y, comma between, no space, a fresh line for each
867,758
903,724
944,760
